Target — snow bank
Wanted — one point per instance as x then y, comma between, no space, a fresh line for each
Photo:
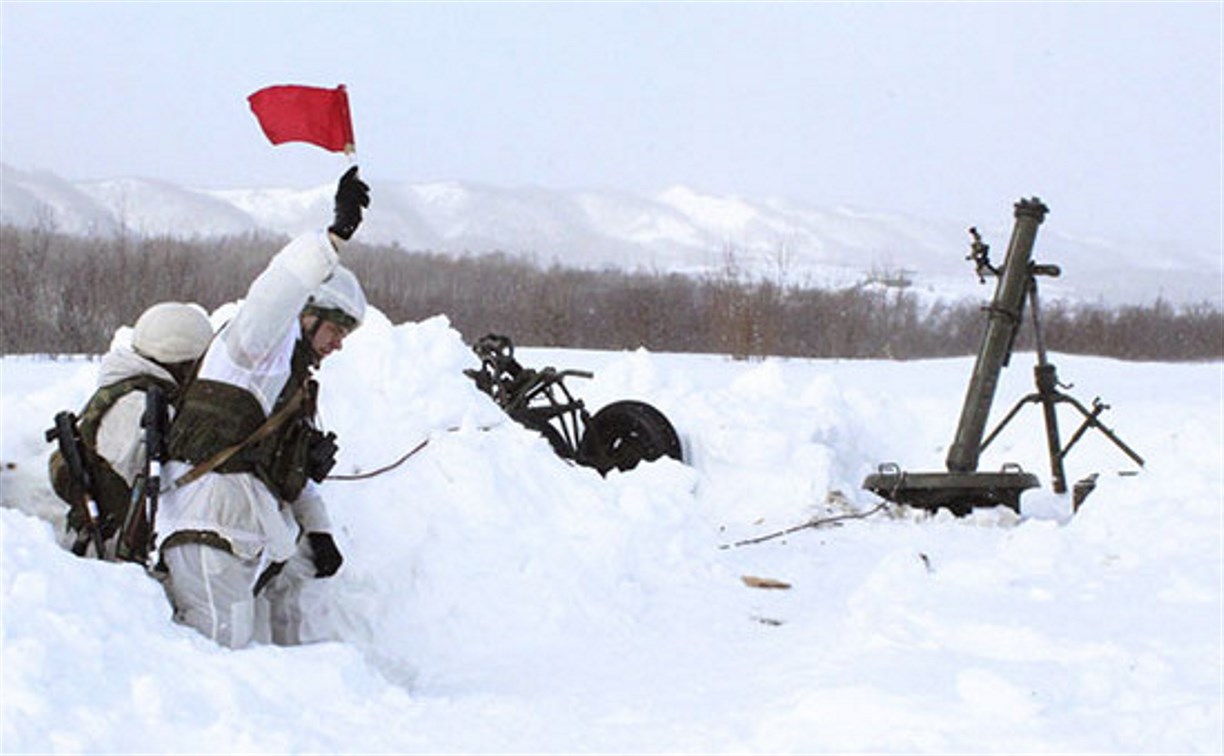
496,599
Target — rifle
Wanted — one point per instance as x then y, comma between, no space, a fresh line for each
137,536
69,438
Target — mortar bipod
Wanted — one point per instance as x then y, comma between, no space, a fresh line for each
1048,395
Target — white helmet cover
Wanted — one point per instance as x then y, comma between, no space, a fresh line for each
171,332
340,295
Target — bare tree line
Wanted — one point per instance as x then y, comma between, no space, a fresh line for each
62,294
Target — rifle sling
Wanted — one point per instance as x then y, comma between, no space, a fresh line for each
263,431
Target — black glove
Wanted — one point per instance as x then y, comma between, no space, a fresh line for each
352,194
320,455
327,557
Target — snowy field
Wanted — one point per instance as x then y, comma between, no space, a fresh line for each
496,599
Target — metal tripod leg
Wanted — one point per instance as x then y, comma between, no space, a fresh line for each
1049,396
1091,421
1047,390
1047,403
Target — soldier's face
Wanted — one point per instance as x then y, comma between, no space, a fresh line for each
328,337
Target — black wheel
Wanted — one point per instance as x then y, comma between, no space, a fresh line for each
624,433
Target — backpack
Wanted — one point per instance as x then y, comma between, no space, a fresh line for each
110,491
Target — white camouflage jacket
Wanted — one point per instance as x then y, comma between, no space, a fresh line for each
253,351
120,439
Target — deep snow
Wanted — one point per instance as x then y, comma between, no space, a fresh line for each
497,599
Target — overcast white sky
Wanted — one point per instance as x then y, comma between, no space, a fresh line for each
1110,112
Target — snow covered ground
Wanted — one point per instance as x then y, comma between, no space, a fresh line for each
497,599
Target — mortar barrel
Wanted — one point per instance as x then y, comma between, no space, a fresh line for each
1003,322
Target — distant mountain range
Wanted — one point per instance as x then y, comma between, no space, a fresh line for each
679,230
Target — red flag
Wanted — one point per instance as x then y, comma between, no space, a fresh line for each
291,113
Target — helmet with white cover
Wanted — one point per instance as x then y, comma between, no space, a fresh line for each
172,332
339,299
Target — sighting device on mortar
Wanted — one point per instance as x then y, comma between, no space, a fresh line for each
963,487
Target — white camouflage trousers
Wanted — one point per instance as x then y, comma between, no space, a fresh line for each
213,591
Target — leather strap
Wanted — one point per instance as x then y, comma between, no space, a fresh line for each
263,431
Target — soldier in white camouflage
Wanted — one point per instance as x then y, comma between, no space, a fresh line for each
166,341
244,525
